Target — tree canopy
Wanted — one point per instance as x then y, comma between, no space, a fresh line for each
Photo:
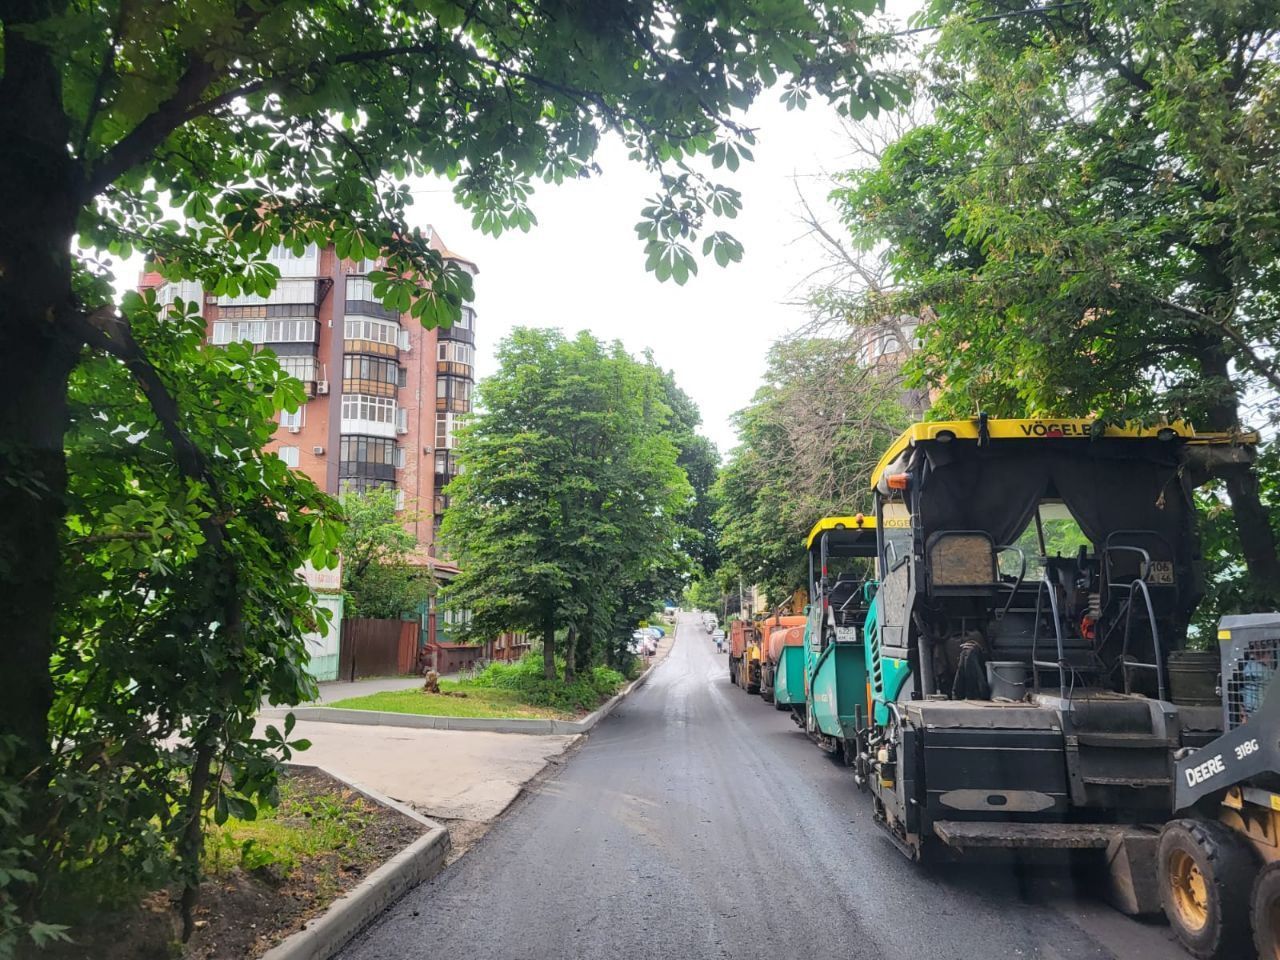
377,576
1088,218
566,512
809,440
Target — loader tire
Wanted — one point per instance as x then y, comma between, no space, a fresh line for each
1204,867
1266,912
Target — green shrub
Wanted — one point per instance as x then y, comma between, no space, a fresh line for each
525,678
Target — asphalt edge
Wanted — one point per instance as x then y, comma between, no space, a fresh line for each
418,721
322,937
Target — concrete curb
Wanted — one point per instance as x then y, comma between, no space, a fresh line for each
328,933
379,718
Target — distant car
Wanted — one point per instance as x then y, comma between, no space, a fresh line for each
717,636
643,643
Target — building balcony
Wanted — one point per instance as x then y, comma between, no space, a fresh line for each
373,388
371,348
285,335
374,416
349,469
456,333
452,368
453,404
375,376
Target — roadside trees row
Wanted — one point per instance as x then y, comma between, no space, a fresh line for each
568,511
808,442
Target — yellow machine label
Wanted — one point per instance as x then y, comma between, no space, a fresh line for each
1224,634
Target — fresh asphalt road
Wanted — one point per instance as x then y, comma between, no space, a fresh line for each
698,822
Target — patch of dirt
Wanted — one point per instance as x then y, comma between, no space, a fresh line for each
463,835
242,914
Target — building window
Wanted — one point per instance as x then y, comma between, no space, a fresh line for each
360,288
446,424
453,394
366,328
400,458
360,449
187,290
286,291
300,368
295,418
296,330
292,265
442,352
289,455
368,456
358,406
377,369
363,484
365,266
399,499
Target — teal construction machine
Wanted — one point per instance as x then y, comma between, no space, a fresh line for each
842,570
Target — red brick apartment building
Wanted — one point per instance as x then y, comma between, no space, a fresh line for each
385,395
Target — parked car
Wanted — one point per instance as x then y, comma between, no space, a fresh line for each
643,643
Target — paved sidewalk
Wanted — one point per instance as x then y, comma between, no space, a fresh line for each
449,774
334,690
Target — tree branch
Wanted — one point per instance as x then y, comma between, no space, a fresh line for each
1245,349
112,334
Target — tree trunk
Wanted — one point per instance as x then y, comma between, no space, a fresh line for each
549,646
571,655
1252,520
39,199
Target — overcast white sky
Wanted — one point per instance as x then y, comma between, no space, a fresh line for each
583,268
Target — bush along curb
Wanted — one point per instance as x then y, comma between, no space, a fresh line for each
325,935
379,718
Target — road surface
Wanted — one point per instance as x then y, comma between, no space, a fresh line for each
698,822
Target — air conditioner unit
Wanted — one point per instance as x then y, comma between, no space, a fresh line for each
295,428
318,451
322,387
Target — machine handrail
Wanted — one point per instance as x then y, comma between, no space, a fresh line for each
1022,575
1057,629
1125,664
1146,561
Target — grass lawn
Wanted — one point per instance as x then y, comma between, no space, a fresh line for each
478,702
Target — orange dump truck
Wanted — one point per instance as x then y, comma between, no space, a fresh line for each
782,634
744,636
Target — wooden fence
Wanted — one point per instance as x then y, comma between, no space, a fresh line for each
377,648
